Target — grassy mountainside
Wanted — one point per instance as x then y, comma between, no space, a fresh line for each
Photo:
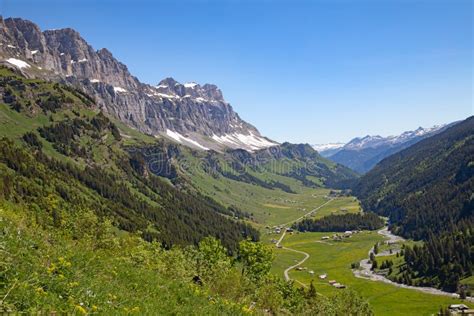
251,185
90,224
62,154
86,266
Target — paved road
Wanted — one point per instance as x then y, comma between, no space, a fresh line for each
365,272
307,214
305,254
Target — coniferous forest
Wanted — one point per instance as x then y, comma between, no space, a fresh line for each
427,193
341,223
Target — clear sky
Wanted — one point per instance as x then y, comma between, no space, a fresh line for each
301,71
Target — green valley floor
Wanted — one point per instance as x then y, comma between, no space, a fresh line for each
334,258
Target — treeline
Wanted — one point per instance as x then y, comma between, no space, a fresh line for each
28,95
341,223
441,261
156,209
66,135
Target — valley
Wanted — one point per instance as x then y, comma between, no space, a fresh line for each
334,258
122,197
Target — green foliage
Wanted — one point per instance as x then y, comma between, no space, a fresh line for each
256,259
86,266
341,223
32,140
427,187
426,191
441,262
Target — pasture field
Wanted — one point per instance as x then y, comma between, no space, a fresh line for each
335,258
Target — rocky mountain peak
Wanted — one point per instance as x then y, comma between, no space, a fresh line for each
188,113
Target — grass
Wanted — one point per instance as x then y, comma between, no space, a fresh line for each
335,258
46,272
269,207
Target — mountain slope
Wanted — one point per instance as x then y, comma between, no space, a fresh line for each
59,152
426,187
427,192
362,154
122,171
191,114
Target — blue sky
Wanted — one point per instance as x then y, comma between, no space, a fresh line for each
301,71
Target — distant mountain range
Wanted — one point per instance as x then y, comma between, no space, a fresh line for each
191,114
362,153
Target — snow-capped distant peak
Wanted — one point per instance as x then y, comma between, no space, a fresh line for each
376,141
324,147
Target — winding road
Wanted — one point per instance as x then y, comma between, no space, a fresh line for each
305,254
364,271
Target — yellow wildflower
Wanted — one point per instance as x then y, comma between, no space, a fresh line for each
40,291
81,310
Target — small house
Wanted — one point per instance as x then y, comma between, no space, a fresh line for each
457,307
325,237
332,282
323,276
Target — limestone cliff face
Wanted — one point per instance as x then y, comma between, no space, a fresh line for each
189,113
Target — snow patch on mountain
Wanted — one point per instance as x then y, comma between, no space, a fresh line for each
190,84
18,63
184,140
120,90
249,141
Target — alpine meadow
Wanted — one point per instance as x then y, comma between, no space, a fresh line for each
123,197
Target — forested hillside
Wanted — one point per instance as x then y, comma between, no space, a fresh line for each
341,223
427,187
87,217
427,192
64,156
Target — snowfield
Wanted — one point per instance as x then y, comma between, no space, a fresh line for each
183,140
18,63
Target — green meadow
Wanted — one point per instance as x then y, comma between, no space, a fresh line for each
335,258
